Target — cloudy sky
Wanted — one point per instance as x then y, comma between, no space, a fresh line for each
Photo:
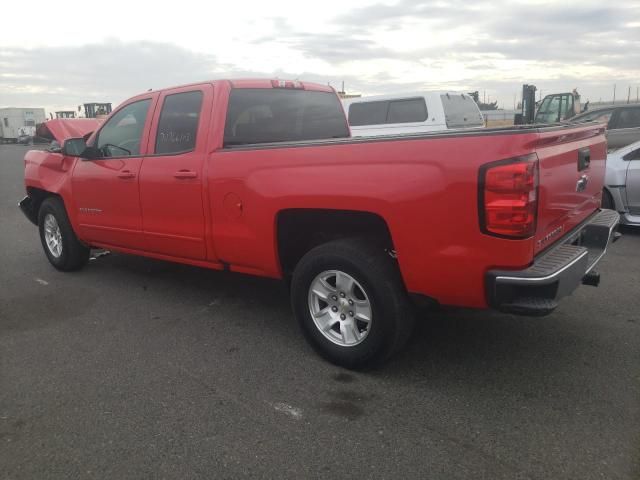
70,52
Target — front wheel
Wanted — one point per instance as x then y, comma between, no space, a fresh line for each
349,300
60,244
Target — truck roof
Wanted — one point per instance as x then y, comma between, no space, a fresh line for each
255,83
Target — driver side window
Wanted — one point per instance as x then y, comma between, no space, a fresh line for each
122,134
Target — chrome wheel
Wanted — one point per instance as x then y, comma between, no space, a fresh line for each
340,308
52,235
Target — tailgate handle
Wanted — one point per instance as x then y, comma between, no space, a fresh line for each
584,158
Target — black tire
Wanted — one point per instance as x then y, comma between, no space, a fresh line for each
371,266
74,254
607,200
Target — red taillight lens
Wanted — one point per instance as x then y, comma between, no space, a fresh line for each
509,197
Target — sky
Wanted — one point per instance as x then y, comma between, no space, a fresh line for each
61,55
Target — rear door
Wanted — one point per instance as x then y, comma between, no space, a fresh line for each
105,190
171,178
625,127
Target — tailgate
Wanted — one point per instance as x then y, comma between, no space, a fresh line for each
572,168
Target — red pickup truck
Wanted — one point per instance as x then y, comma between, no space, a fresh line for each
262,177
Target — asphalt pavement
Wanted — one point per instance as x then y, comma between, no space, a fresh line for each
135,368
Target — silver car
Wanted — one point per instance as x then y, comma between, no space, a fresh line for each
622,183
623,123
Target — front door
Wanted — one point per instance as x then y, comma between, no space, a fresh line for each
633,181
105,190
172,174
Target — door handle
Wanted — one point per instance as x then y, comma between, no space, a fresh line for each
126,174
182,174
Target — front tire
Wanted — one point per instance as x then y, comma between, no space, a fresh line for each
351,304
60,244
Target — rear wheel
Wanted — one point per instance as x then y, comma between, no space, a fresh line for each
607,200
350,303
60,244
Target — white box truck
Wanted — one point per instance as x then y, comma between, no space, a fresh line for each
12,121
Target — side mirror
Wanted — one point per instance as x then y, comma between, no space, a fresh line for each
77,147
73,147
54,147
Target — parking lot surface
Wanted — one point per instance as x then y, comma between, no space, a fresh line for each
137,368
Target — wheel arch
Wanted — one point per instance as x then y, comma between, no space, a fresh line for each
298,230
37,196
617,197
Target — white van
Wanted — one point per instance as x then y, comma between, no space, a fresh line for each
411,113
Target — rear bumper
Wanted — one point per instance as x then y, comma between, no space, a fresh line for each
27,205
555,273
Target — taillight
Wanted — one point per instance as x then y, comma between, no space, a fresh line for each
508,197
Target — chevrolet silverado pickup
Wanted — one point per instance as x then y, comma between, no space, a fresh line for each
262,177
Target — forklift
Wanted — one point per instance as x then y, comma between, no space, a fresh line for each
553,108
66,114
96,110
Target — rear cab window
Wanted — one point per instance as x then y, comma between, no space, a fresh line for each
268,115
461,111
405,110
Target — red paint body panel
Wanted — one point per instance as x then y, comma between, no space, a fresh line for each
60,129
425,188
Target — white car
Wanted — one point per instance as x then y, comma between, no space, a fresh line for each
411,113
622,183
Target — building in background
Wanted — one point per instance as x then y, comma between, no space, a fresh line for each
16,122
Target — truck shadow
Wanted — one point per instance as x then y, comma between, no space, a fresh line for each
471,349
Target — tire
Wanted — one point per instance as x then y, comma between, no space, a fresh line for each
369,276
72,255
607,200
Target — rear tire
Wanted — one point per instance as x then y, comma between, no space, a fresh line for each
358,279
607,200
60,244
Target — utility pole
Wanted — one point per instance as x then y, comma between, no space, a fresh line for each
629,94
637,94
484,96
614,93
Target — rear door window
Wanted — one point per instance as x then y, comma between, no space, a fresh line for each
178,123
265,115
628,118
461,111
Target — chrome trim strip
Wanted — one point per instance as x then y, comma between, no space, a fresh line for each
545,278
